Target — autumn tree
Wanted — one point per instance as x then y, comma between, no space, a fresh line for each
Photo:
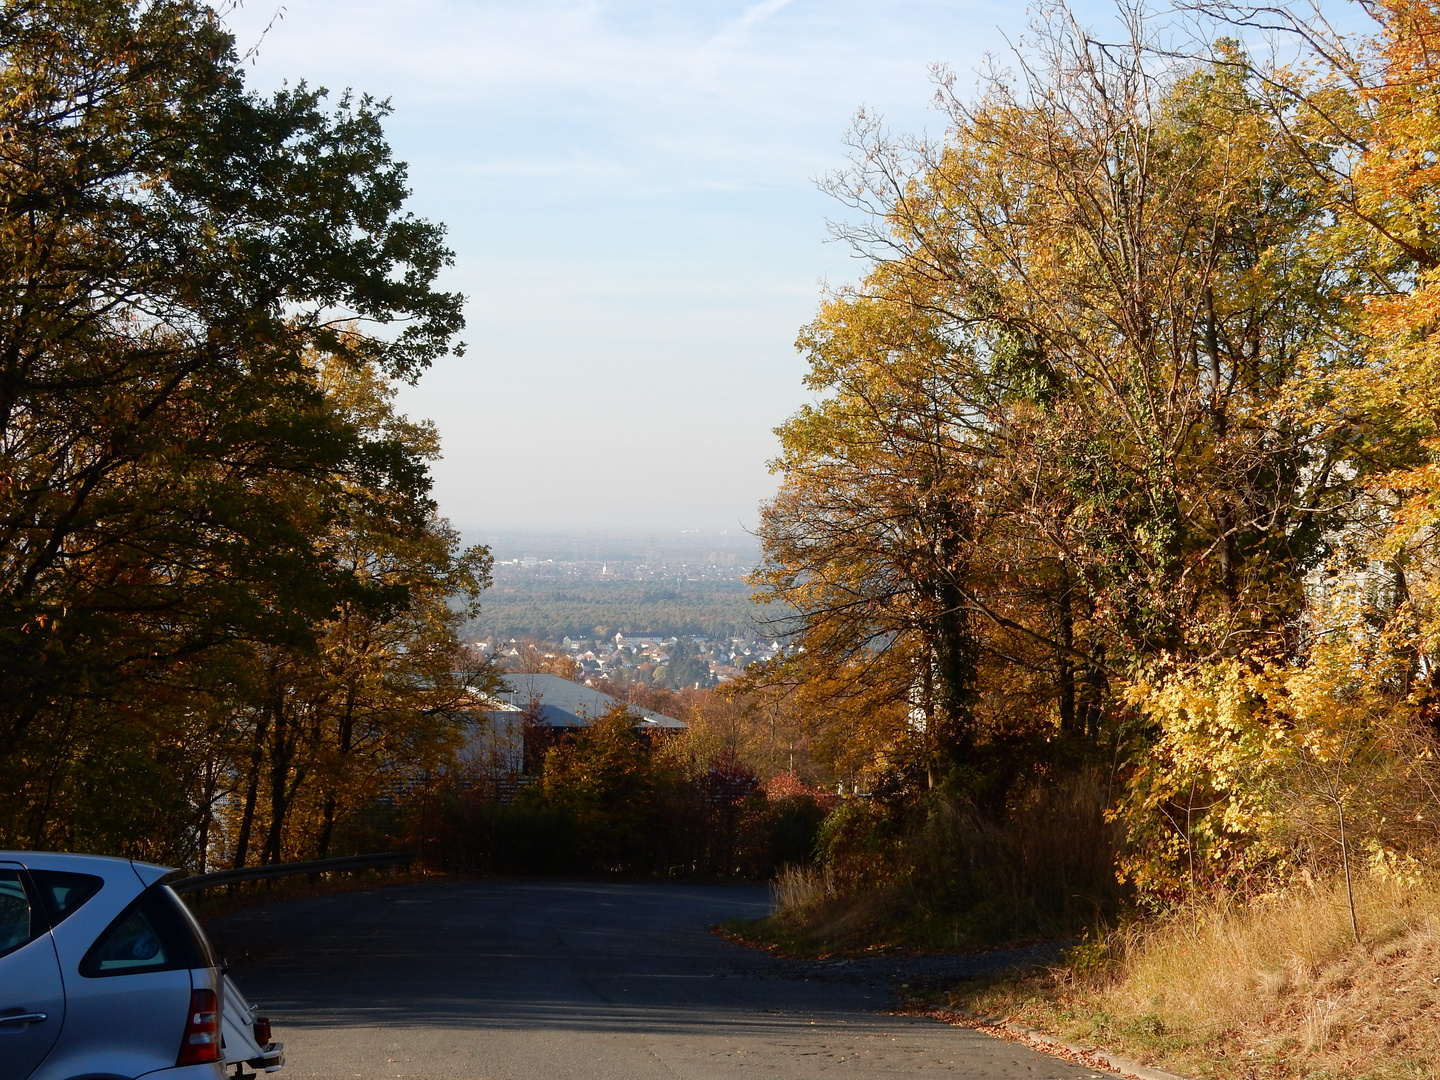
384,695
177,248
1063,432
1322,756
609,783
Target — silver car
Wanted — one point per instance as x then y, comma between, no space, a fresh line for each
104,973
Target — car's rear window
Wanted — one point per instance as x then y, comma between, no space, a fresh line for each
64,892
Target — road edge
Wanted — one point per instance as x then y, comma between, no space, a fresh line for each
1036,1039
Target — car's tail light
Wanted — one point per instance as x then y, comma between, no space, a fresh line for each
262,1031
201,1041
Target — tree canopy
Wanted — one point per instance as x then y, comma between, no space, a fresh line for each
1133,401
205,292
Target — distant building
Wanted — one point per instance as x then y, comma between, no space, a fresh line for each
639,642
546,702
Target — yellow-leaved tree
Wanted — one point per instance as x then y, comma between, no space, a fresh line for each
1323,753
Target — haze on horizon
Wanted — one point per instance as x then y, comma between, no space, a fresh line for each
630,191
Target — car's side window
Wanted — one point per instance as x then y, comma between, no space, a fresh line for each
64,892
18,923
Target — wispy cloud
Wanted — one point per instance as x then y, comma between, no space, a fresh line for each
737,31
629,189
683,94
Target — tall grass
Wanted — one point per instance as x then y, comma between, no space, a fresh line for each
943,875
1229,962
797,889
1046,867
1273,987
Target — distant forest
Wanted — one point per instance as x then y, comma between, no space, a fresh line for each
551,610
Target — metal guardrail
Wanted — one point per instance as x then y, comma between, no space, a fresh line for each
196,882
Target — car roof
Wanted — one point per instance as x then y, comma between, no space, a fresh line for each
106,866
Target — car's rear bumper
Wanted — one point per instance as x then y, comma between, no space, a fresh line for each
273,1058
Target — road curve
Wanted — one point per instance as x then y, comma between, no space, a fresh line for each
537,980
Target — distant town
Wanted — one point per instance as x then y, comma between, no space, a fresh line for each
629,658
672,610
670,550
689,590
716,566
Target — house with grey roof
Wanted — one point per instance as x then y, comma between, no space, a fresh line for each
548,706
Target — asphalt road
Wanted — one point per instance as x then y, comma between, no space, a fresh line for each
573,981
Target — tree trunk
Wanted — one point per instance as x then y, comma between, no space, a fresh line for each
954,645
252,789
283,736
1064,664
207,807
345,743
1345,862
1094,696
280,757
1224,512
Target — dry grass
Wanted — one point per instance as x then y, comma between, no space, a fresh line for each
1274,988
814,918
1226,964
947,877
800,888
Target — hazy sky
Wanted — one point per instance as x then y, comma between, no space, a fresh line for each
630,192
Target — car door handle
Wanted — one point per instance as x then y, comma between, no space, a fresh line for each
22,1018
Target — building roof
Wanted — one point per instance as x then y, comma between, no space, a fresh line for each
570,704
